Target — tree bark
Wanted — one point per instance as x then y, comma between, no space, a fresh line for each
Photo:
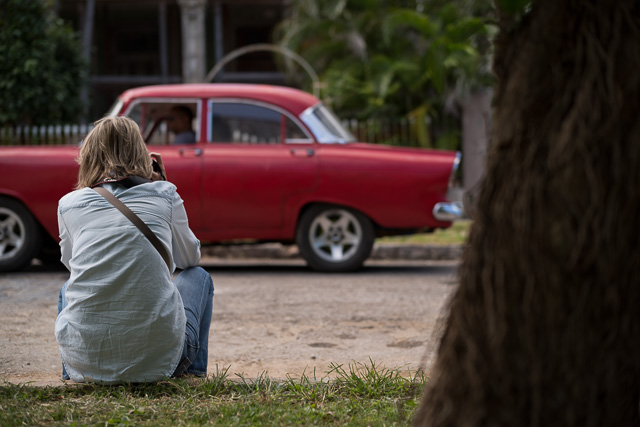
544,328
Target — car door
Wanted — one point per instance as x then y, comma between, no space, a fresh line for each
259,166
183,162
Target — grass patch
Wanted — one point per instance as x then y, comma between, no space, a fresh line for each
355,395
455,235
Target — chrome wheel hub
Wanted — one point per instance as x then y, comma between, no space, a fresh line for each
12,232
335,235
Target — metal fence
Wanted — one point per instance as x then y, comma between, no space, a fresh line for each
44,135
393,132
402,132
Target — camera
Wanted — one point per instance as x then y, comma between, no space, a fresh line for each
157,168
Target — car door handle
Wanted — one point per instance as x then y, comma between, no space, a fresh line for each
197,152
306,152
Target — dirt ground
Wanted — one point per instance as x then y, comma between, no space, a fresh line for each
274,317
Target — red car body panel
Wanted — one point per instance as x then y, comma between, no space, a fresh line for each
38,177
377,180
243,191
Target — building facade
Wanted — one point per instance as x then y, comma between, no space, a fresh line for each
144,42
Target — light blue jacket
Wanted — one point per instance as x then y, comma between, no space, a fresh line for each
124,320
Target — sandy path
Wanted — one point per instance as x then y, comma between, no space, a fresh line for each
278,318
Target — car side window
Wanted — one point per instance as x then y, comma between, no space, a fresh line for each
244,123
166,122
294,133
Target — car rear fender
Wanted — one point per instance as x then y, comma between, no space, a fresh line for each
397,188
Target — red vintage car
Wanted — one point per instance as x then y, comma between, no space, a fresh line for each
260,163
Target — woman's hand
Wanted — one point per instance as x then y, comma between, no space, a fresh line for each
158,176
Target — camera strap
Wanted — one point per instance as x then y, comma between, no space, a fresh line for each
127,181
135,219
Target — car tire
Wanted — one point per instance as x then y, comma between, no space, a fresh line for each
334,238
19,235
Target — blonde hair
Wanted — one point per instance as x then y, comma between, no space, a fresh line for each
114,148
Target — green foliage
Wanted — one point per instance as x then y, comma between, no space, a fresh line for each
385,59
41,70
457,234
513,7
358,395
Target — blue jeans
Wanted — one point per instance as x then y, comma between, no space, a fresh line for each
196,289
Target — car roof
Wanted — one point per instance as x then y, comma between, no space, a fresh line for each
294,100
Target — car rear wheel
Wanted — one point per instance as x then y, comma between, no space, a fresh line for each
19,235
332,238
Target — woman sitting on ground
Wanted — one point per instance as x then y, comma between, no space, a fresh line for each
121,317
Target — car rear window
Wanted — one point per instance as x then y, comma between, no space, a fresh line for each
247,123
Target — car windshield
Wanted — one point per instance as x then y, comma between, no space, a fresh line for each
325,125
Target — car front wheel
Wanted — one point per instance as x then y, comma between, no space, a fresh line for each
334,239
19,235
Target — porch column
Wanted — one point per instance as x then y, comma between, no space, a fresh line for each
192,13
476,133
87,44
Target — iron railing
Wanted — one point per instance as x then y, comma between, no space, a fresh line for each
401,132
44,135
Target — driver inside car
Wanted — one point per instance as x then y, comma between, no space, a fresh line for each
180,121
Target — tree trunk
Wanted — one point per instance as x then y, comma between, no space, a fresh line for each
544,329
